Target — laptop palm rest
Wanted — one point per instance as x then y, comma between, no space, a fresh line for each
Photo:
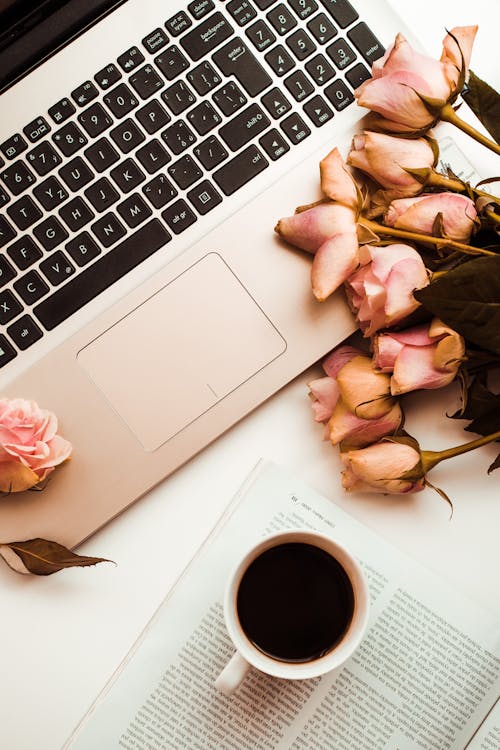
181,351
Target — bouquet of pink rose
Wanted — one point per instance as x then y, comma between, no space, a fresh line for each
419,258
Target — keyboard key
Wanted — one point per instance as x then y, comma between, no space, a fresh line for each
245,126
24,332
185,172
101,155
179,216
95,120
43,158
50,233
281,19
17,177
295,128
9,308
339,95
357,75
366,42
131,59
159,191
264,4
178,97
178,23
107,77
241,10
304,8
76,174
102,194
322,28
279,60
57,268
7,272
69,139
200,8
100,275
171,62
235,173
134,210
83,249
4,197
206,36
127,175
127,136
62,110
236,59
120,100
146,81
301,44
7,232
108,229
24,212
178,137
276,103
204,78
84,93
318,111
153,156
13,146
299,85
341,54
31,287
24,252
260,35
7,351
76,214
152,116
204,118
155,40
341,11
50,193
204,197
229,98
210,153
320,70
36,129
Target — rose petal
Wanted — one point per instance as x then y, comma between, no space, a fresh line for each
333,263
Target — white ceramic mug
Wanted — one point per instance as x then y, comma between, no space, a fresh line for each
247,654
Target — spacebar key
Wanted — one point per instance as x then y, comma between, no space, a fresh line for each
101,274
235,173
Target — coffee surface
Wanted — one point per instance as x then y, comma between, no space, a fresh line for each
295,602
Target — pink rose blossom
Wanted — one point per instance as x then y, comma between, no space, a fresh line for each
381,291
345,426
30,447
364,391
309,228
427,356
419,214
337,182
324,392
381,467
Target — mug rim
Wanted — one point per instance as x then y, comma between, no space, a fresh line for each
351,638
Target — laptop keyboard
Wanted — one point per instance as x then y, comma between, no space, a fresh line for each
158,139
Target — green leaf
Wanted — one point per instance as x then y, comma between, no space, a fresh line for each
43,557
485,103
467,298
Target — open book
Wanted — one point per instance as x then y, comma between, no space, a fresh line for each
426,676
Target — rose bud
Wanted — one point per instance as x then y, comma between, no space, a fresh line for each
340,356
381,291
347,428
324,392
309,228
364,391
382,468
337,182
385,158
422,357
30,447
456,213
401,75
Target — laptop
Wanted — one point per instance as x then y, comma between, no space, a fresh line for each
147,149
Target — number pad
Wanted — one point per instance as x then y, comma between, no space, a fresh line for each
341,54
322,28
301,44
178,137
320,70
339,95
279,60
43,158
178,97
17,177
95,120
304,8
69,139
281,19
260,35
299,86
204,78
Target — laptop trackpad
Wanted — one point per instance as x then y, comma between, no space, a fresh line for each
182,351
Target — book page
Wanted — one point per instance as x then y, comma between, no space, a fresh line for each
487,736
424,677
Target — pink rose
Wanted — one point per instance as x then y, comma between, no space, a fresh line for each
381,468
427,356
419,214
385,158
337,182
402,74
30,447
309,227
346,427
381,291
324,393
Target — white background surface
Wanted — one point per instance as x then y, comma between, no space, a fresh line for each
61,637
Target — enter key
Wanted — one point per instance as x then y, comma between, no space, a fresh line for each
236,59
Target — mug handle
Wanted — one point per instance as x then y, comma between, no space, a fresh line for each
232,674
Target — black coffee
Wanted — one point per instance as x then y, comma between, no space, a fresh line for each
295,602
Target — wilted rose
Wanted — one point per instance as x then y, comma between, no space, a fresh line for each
386,158
30,447
381,291
402,74
309,227
455,212
426,356
381,468
337,182
364,391
324,393
346,427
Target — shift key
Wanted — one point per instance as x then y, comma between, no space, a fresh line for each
236,59
245,126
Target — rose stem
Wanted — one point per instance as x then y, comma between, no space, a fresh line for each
448,114
431,458
435,179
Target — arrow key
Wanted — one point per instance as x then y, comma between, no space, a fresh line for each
276,103
279,60
295,128
318,111
274,144
322,28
